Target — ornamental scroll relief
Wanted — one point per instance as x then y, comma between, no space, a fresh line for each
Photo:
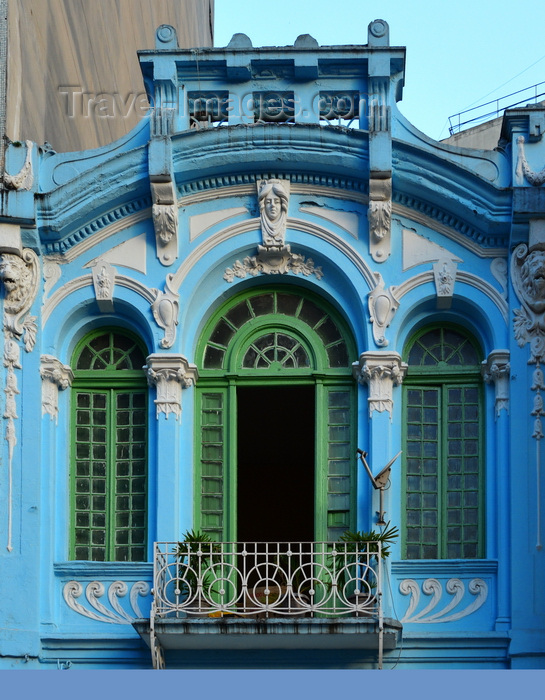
273,257
528,278
20,275
449,613
116,591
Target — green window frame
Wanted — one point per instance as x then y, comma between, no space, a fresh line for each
279,335
443,446
109,470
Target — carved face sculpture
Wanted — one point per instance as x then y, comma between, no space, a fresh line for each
533,275
273,201
273,206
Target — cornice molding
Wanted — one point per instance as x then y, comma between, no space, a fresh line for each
107,224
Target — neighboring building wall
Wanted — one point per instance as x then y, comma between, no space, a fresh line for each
73,72
484,136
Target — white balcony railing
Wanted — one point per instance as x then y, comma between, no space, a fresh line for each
267,579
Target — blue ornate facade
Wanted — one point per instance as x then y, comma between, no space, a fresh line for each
204,320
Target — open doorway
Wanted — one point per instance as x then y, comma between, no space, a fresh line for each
275,463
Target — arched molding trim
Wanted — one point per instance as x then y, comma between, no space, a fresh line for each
87,280
461,276
253,225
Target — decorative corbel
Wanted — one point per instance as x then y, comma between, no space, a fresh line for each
165,221
523,170
379,215
496,368
382,307
381,371
104,282
170,374
165,312
55,376
444,273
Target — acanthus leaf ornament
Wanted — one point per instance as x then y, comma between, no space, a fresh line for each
170,374
379,215
381,371
164,214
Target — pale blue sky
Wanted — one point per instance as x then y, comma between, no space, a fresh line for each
459,53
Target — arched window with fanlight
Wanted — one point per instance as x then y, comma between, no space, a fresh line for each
108,466
275,399
443,480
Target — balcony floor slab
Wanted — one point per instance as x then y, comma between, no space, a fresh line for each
273,633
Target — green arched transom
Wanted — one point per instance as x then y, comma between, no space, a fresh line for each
270,330
446,348
109,350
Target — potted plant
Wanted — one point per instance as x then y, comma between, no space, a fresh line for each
359,555
192,570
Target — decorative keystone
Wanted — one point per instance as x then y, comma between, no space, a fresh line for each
170,374
381,371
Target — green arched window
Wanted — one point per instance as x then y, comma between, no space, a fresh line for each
108,475
443,446
276,403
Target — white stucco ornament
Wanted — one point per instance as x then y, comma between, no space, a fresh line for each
382,306
273,257
170,374
273,198
381,371
496,369
55,376
528,278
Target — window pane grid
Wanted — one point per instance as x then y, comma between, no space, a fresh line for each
339,457
422,473
442,472
212,463
462,469
110,475
130,477
90,477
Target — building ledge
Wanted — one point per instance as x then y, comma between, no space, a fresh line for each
272,633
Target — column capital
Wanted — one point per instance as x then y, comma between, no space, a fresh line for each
496,368
170,374
381,371
55,376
